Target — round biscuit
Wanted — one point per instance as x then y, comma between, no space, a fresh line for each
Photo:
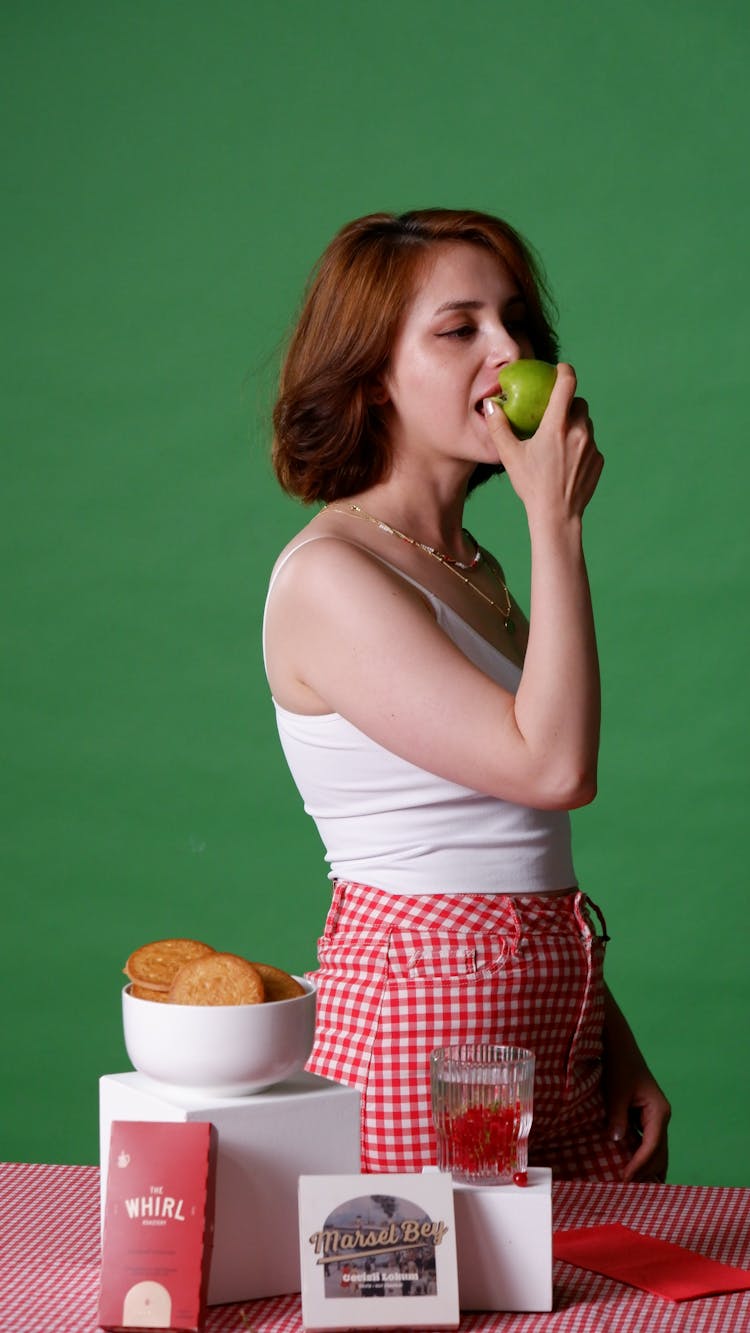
277,984
157,964
148,993
218,978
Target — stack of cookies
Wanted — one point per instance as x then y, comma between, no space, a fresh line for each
177,971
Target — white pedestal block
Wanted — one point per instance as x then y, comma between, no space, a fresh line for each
305,1126
504,1243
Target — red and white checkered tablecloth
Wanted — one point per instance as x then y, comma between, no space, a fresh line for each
49,1261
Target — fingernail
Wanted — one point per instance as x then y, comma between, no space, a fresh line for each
489,407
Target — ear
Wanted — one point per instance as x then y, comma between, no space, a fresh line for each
377,393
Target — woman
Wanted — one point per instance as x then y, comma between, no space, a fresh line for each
438,738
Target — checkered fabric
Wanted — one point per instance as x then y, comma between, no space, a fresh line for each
49,1260
399,976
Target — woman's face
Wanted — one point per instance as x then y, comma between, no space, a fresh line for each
466,321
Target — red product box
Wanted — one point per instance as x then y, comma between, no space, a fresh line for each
158,1225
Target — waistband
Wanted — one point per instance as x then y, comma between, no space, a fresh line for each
371,912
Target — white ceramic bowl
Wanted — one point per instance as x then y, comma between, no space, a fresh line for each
222,1050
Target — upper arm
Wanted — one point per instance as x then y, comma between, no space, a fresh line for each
366,644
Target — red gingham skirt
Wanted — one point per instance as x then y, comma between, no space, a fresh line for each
398,976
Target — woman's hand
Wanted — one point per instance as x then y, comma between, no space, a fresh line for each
556,470
633,1098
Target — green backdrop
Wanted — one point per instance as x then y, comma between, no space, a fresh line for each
172,170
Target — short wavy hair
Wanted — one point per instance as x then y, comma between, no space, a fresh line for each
330,433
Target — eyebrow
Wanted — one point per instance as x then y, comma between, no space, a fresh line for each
517,299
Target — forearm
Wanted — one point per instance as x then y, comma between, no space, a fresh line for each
633,1098
558,703
618,1033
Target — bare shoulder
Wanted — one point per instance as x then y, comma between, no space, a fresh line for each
312,548
329,590
309,544
322,561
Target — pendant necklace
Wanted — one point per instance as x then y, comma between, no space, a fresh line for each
455,566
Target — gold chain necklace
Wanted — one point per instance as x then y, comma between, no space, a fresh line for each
444,559
455,566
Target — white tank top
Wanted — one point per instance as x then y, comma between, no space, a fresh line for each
387,823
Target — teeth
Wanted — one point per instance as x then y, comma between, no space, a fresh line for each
479,407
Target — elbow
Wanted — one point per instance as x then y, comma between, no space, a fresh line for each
583,793
568,790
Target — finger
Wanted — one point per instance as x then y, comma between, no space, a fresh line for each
652,1150
563,394
617,1126
618,1120
647,1165
597,467
501,431
639,1159
581,429
579,412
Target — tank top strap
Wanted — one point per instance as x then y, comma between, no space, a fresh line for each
277,570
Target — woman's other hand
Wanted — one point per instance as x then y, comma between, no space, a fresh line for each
634,1099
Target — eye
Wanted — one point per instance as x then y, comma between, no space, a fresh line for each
517,320
461,331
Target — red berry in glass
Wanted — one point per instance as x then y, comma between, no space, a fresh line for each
482,1110
482,1139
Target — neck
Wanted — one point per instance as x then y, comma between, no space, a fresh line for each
459,568
422,512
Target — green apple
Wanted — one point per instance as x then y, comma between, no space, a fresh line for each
525,388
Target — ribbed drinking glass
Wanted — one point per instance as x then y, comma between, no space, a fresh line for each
482,1107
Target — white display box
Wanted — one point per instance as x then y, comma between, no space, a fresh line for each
504,1244
304,1126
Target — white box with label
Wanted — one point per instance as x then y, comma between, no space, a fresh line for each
304,1126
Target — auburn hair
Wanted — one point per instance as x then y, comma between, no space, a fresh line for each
330,432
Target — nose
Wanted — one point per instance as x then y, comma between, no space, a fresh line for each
503,347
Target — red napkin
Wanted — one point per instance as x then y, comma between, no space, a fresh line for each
641,1261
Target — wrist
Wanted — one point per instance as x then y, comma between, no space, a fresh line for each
558,541
566,529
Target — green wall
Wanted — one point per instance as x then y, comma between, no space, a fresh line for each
172,171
